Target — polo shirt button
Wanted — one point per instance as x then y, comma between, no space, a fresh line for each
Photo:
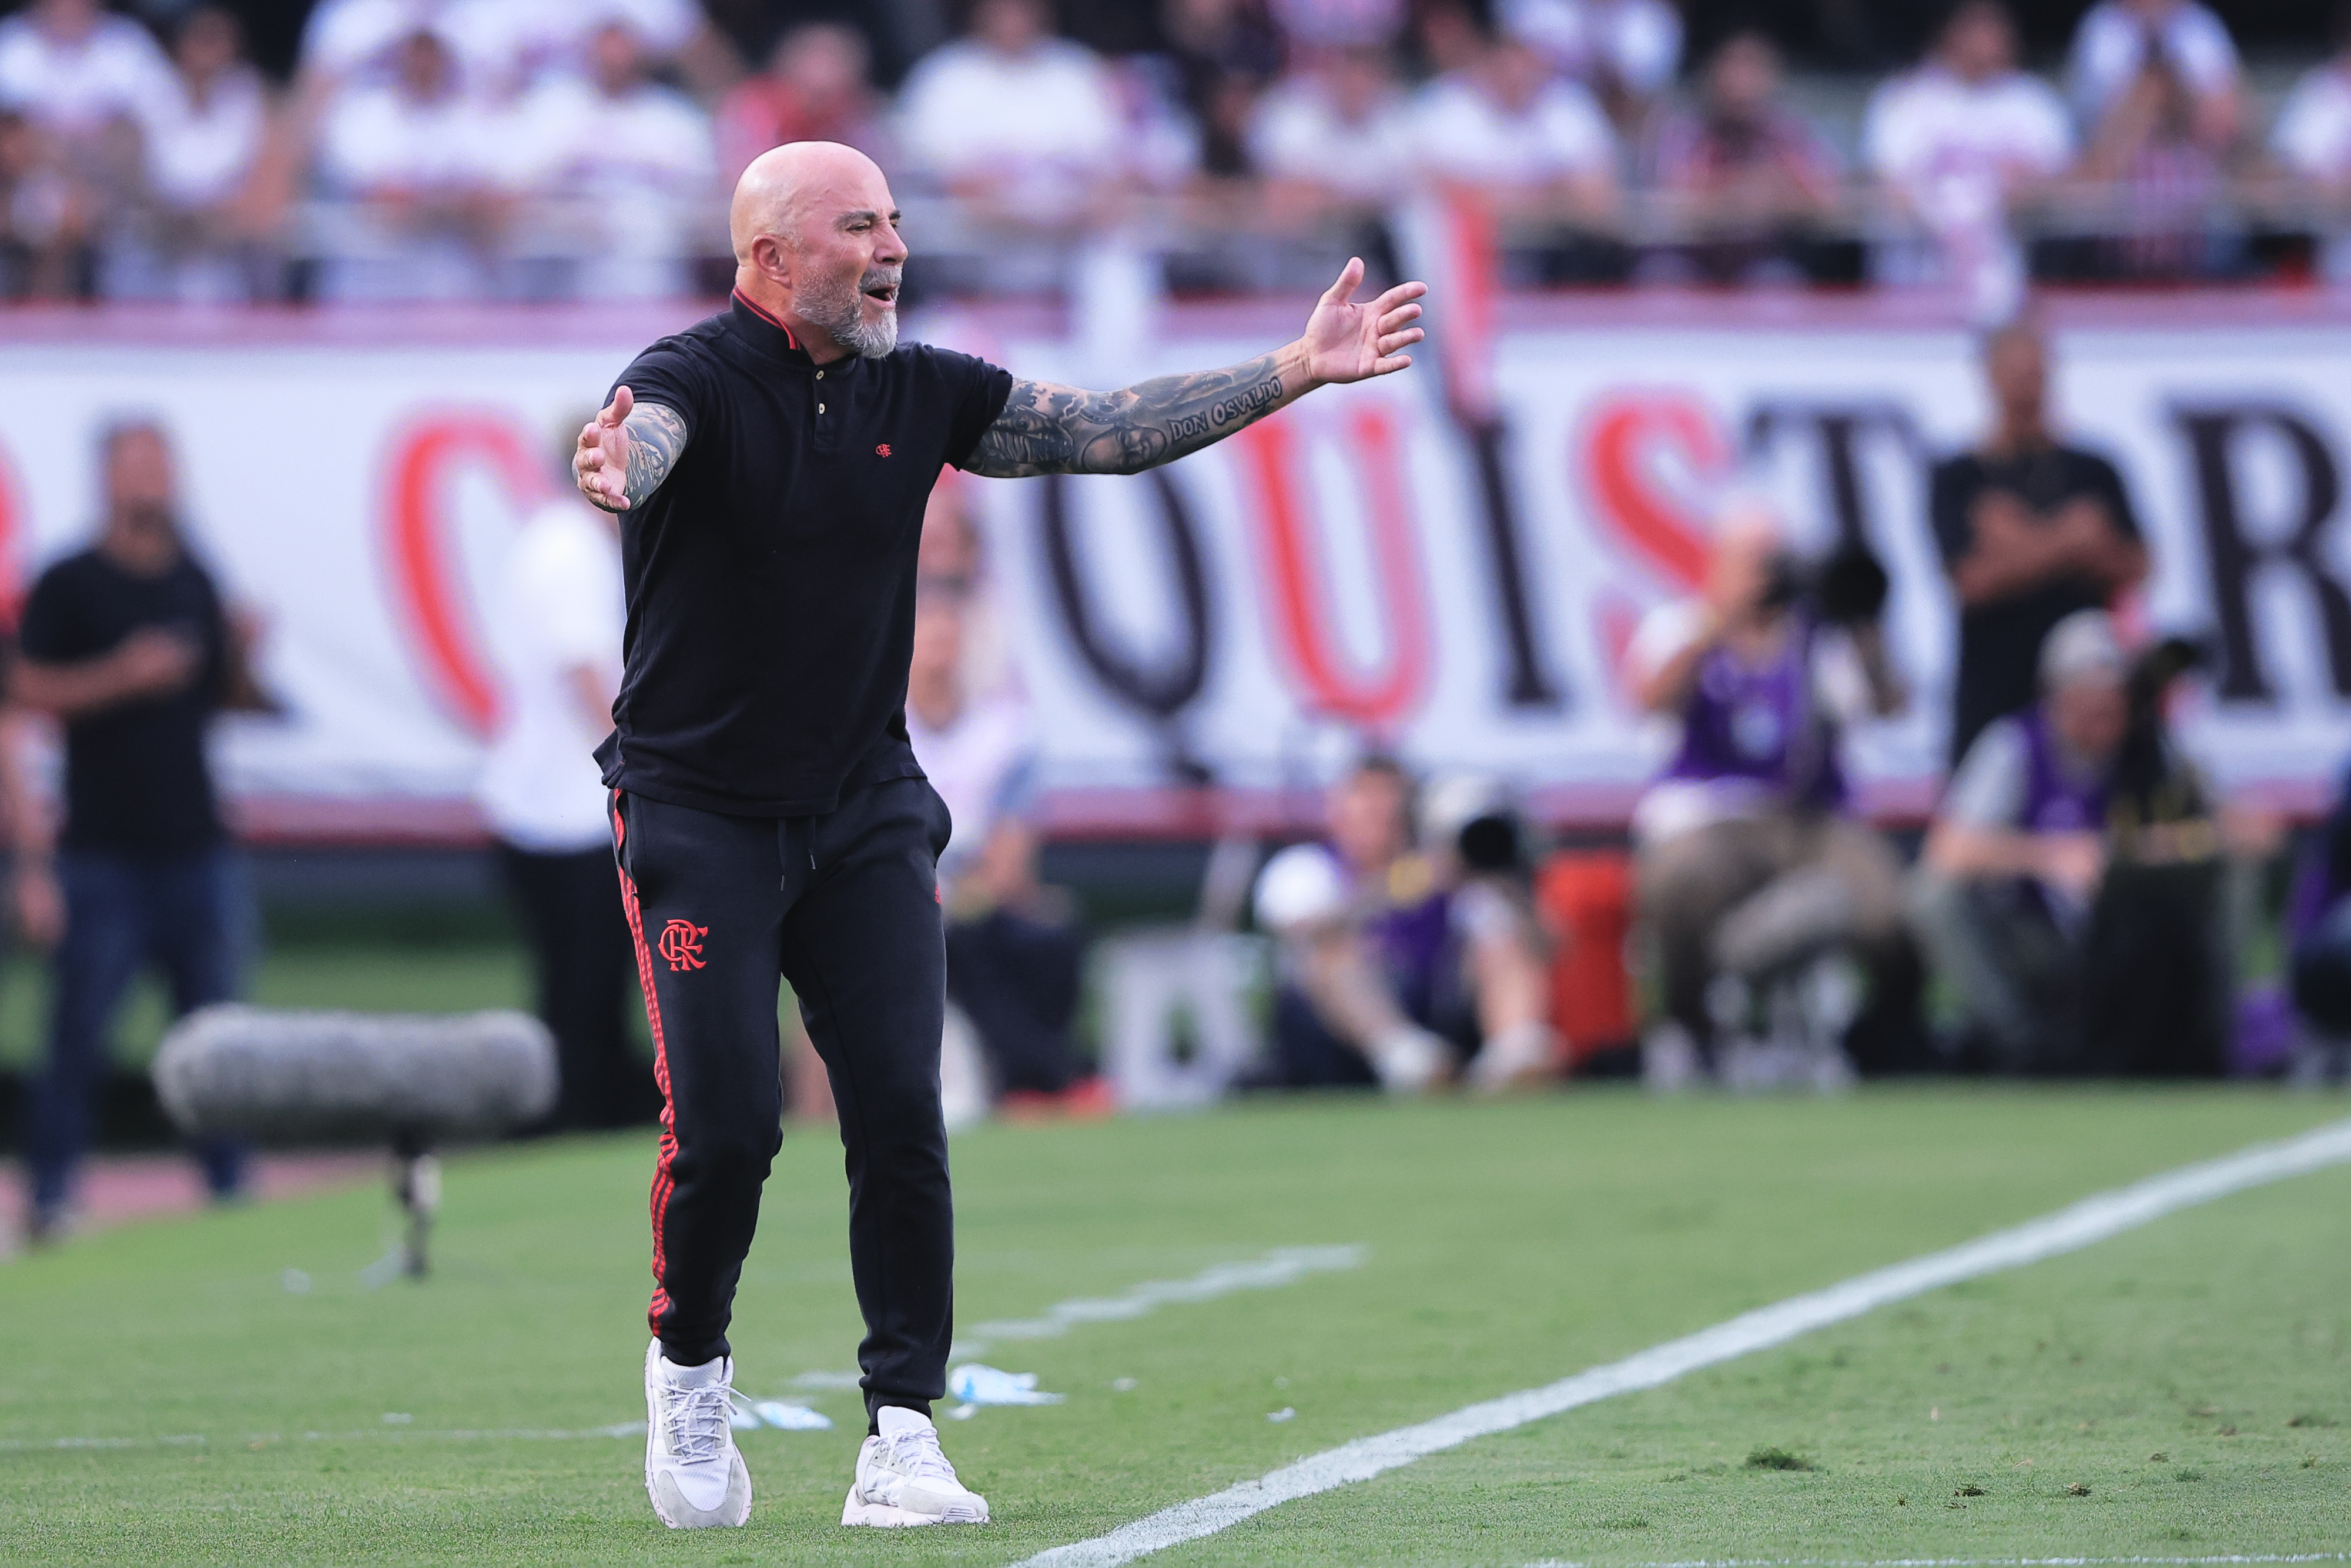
819,408
820,375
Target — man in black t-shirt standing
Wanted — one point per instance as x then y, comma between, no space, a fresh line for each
2031,531
126,643
772,465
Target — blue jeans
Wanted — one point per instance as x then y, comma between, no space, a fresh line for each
189,916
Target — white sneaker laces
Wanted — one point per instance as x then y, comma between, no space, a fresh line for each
697,1421
915,1452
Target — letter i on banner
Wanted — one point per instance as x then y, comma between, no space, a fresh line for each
1450,240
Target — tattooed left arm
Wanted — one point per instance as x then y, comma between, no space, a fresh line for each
1050,429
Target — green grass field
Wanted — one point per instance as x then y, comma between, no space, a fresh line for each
1508,1245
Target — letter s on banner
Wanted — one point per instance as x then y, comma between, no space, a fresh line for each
1302,621
1625,437
426,567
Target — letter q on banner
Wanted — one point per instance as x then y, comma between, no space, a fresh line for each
1302,589
427,566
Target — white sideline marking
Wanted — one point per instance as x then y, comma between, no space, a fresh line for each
257,1440
1282,1266
2079,1225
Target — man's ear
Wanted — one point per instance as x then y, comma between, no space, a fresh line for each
773,258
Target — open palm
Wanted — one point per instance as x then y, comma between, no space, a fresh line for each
1347,342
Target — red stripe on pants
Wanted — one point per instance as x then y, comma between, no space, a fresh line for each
663,1181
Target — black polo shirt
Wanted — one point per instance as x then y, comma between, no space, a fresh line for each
771,577
137,780
1999,642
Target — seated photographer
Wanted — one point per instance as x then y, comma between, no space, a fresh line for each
1494,979
2069,891
1398,968
1746,864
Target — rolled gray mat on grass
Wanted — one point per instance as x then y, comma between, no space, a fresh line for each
271,1076
408,1080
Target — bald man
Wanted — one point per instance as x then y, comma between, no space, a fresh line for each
770,466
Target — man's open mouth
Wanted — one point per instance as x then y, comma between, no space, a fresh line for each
881,293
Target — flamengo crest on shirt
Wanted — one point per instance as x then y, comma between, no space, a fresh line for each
681,943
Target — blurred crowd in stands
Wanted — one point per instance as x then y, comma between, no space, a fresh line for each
557,149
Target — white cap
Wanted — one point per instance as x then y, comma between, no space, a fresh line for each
1453,802
1302,884
2082,650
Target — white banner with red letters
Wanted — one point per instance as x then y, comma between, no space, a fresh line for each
1371,564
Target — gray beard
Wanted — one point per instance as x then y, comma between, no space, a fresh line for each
841,316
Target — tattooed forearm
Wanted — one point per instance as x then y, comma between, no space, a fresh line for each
1050,429
657,435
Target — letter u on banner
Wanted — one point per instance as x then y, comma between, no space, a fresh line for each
1303,612
426,567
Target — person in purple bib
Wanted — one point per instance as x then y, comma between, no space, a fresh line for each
1746,858
2012,864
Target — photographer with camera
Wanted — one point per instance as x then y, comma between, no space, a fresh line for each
2070,888
1748,865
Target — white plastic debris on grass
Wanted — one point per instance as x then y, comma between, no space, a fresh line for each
1284,1414
792,1417
749,1415
976,1385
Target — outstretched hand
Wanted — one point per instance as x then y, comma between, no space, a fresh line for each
1346,341
601,466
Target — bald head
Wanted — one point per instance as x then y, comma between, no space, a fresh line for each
816,244
790,190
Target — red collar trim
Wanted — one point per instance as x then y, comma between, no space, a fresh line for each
752,306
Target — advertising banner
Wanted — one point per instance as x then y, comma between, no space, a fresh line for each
1374,566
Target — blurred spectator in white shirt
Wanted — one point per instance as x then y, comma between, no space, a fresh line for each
2117,39
1014,951
560,618
629,170
1626,51
1535,146
45,222
2168,186
424,166
1329,139
1314,25
1024,126
204,135
80,77
1221,54
348,41
2312,137
74,69
1956,143
816,89
501,47
1748,177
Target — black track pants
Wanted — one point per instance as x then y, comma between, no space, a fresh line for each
845,906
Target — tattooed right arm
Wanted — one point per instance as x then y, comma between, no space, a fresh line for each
627,449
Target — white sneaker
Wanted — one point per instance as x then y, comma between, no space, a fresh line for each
1409,1060
693,1473
903,1478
